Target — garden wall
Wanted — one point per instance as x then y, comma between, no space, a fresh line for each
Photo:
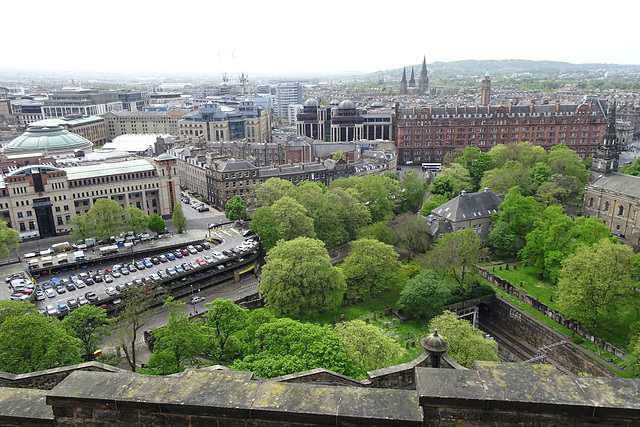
551,313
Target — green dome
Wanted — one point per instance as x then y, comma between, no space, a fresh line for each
53,139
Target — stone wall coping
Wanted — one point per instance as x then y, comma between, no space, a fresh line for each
23,406
528,388
390,370
319,371
230,394
70,368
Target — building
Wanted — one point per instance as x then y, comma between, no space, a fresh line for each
91,128
427,134
48,139
222,122
344,122
287,93
40,199
485,96
292,113
79,101
143,122
134,100
611,196
26,111
467,211
410,87
226,179
631,113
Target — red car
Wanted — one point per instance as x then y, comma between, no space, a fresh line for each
201,261
184,251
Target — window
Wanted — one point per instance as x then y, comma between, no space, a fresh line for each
59,220
29,213
606,207
621,210
20,215
32,225
591,202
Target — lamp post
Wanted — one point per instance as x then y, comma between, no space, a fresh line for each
193,305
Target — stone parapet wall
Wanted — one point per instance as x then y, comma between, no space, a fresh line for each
556,315
48,379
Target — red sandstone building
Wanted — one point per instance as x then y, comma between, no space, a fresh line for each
427,134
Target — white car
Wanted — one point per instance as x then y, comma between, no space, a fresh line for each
51,310
111,291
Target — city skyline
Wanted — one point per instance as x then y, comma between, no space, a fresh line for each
281,38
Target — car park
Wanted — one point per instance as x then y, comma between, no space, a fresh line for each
110,291
82,300
196,299
91,296
51,310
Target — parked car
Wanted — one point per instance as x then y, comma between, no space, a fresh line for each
201,261
61,289
179,269
121,287
178,254
209,259
155,260
140,265
82,300
70,286
186,267
199,248
79,284
132,268
72,304
108,278
51,310
50,293
15,276
147,263
91,296
162,274
192,250
110,291
185,251
115,274
203,208
206,245
165,258
171,271
97,278
196,299
89,281
40,296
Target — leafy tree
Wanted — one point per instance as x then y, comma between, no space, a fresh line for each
424,295
389,174
460,176
367,346
291,219
413,189
458,253
9,239
298,277
89,324
338,155
593,278
467,344
106,217
32,342
511,174
376,192
378,231
321,207
559,189
445,186
226,318
177,343
476,162
136,220
562,160
288,346
134,315
434,201
353,214
411,233
519,212
503,241
235,209
178,218
157,224
11,308
81,227
524,153
541,173
264,224
271,191
371,268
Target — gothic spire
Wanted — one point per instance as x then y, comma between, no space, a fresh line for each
412,80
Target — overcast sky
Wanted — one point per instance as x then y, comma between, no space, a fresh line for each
265,36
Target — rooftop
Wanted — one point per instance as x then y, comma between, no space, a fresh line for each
106,169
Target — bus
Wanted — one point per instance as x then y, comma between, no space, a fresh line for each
432,167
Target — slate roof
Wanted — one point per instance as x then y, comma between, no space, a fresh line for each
469,206
233,165
620,183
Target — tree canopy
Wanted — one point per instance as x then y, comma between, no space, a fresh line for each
298,277
106,218
371,268
178,218
89,324
9,239
235,209
424,295
225,318
157,224
136,220
456,254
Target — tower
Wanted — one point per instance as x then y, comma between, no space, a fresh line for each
403,82
423,80
412,80
485,97
606,159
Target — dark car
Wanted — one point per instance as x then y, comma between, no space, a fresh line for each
199,248
89,281
178,254
97,278
91,296
72,304
206,245
70,286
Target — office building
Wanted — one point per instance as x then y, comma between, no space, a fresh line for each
79,101
287,93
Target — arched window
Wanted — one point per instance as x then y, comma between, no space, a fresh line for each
621,210
591,202
606,207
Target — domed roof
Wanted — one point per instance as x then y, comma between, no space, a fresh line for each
310,103
53,139
334,102
347,105
435,343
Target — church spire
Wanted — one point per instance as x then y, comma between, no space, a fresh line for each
412,80
606,159
403,82
423,80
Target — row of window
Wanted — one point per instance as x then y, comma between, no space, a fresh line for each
112,178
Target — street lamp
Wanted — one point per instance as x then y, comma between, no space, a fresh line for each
192,304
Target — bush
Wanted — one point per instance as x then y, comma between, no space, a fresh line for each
577,339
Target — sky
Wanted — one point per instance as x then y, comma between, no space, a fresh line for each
298,37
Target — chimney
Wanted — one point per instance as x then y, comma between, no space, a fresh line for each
463,193
531,107
510,105
486,189
557,105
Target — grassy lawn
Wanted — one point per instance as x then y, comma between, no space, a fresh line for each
360,311
541,289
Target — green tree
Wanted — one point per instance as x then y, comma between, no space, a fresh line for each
504,242
460,176
271,191
413,189
178,218
177,343
458,253
445,186
298,277
562,160
519,212
321,206
136,220
524,153
235,209
106,217
367,345
10,308
434,201
378,231
9,239
467,344
288,346
134,315
89,324
476,162
338,155
353,214
226,318
81,228
559,189
511,174
594,278
411,233
376,192
157,224
32,342
291,219
264,224
371,268
424,295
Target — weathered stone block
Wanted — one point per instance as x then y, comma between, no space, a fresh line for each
128,416
62,411
84,412
105,415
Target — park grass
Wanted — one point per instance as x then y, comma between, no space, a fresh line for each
614,326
